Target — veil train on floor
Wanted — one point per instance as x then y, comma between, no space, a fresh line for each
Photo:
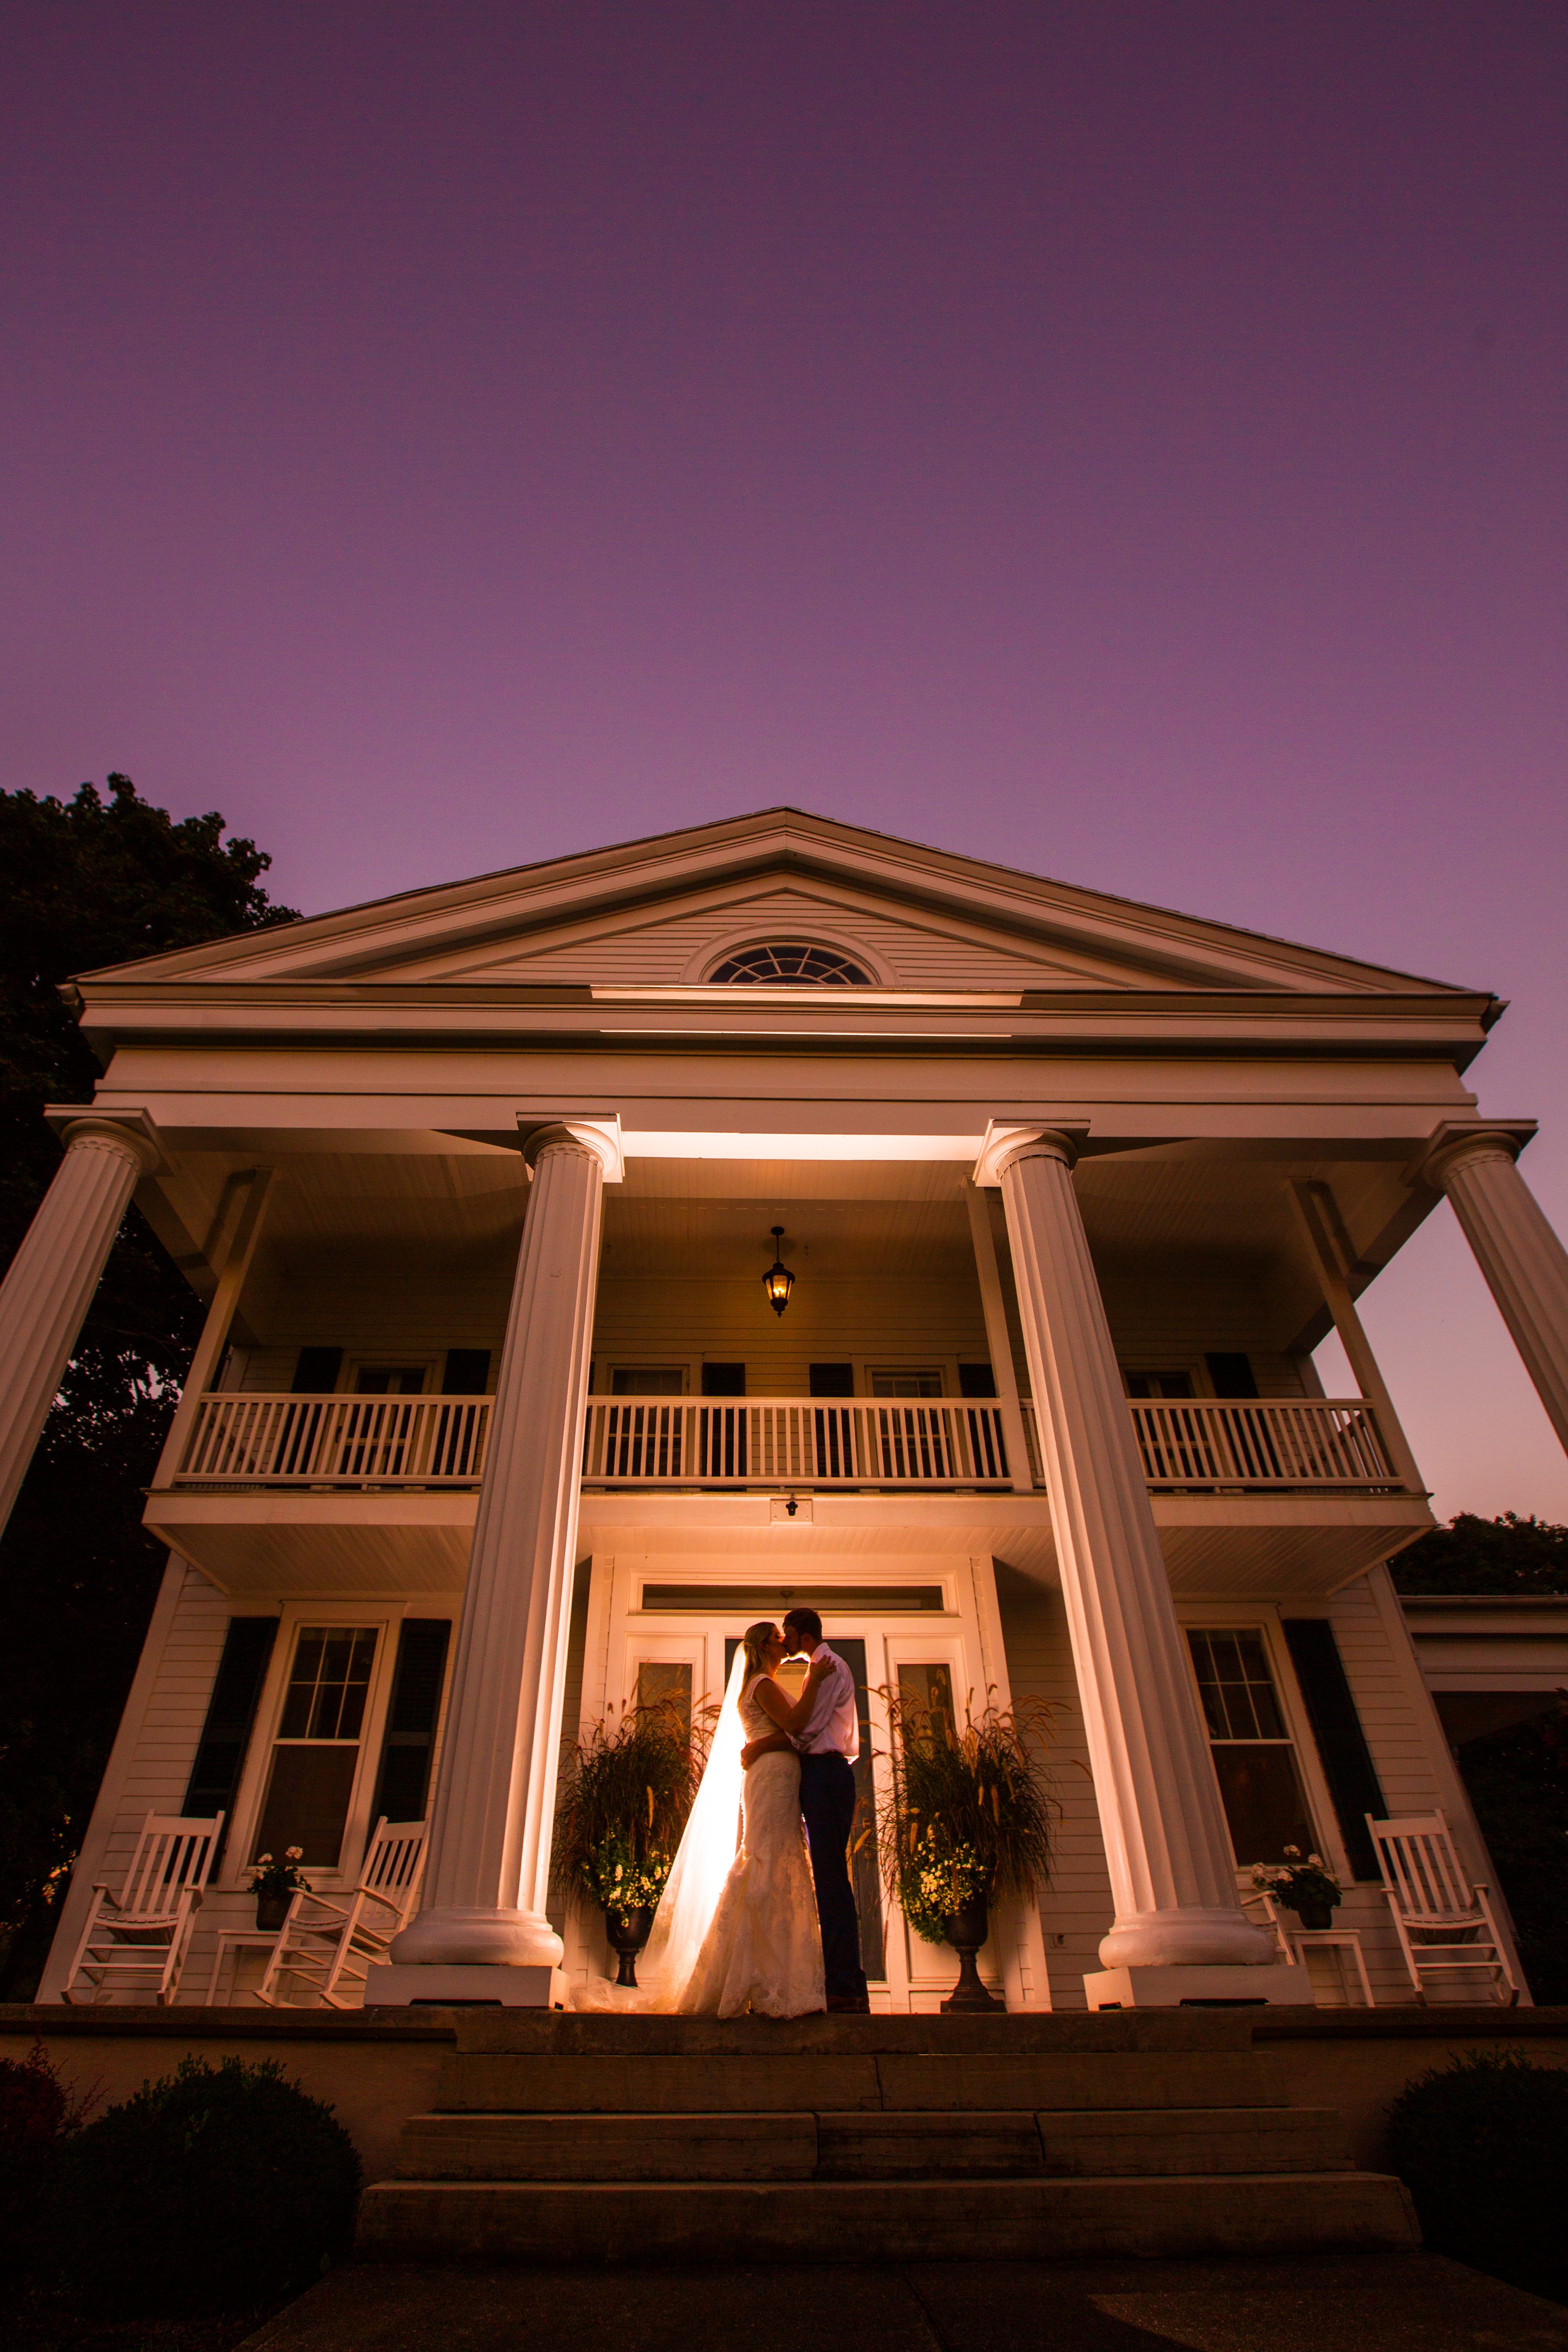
703,1862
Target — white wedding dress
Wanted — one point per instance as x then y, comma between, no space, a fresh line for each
737,1928
763,1950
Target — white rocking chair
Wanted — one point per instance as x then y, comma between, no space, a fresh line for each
1444,1922
328,1940
136,1941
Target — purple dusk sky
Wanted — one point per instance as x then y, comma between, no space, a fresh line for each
1122,440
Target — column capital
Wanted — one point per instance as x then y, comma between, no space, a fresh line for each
1007,1139
596,1133
131,1131
1460,1141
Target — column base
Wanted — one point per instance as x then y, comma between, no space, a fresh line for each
477,1936
1278,1984
388,1986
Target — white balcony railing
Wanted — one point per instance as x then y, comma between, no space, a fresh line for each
247,1439
1262,1442
251,1440
792,1442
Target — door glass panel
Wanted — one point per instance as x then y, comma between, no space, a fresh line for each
667,1682
926,1690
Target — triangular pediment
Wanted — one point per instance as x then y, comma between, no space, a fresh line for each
662,912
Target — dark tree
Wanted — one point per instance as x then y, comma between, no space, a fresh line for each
1471,1555
88,882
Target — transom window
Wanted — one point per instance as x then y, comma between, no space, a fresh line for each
792,965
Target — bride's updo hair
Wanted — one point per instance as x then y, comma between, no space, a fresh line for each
755,1641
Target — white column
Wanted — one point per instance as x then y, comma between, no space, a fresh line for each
1525,1265
49,1283
1172,1876
1320,1218
486,1876
999,1340
247,1208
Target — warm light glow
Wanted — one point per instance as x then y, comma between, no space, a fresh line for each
778,1281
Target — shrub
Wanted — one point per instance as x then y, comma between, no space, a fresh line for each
1482,2146
218,2188
625,1791
35,2111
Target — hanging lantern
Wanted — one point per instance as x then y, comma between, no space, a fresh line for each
778,1281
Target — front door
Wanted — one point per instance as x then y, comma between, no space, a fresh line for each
666,1628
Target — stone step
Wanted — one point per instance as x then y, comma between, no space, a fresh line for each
563,2223
555,2033
633,2083
955,2143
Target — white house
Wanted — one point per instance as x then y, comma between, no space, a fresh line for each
492,1426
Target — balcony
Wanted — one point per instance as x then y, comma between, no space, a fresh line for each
345,1494
1277,1444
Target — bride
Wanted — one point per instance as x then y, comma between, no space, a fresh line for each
737,1929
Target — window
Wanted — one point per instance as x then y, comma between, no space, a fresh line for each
1159,1384
723,1380
390,1379
316,1754
651,1381
791,966
1254,1756
919,1381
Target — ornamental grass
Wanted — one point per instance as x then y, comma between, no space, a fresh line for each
968,1814
625,1791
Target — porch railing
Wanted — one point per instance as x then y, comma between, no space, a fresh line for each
242,1439
247,1439
1262,1442
793,1441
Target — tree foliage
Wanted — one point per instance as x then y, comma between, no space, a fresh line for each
1473,1555
88,882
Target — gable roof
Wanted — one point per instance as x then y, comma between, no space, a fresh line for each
661,909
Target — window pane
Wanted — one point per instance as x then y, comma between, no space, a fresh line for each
328,1684
1264,1802
667,1682
639,1380
1235,1686
307,1803
906,1384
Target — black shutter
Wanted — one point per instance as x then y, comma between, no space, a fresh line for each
832,1379
317,1370
1232,1375
468,1371
402,1783
1346,1758
231,1712
977,1381
724,1379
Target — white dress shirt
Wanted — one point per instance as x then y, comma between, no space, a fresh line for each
833,1726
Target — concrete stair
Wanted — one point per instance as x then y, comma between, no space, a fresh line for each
562,2139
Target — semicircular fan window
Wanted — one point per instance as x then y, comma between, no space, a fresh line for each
791,966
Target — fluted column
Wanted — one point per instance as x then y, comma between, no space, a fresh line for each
1525,1265
1172,1878
485,1881
49,1283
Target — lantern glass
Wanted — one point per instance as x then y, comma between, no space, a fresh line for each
778,1281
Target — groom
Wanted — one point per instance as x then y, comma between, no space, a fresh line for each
829,1742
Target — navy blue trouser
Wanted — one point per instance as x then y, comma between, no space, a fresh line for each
827,1803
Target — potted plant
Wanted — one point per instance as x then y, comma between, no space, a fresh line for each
1308,1888
967,1818
625,1792
275,1886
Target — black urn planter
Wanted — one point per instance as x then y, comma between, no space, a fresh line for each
271,1910
1315,1916
966,1931
627,1932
